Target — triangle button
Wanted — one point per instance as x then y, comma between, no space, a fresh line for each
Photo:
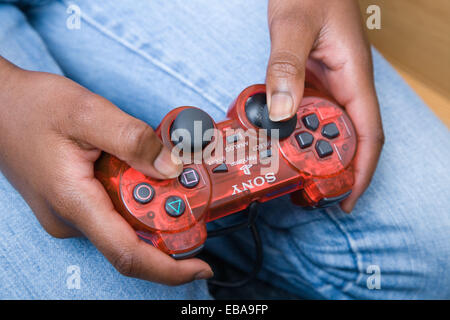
174,206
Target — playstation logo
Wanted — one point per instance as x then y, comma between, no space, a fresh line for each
246,169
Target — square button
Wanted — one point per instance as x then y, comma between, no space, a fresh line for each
189,178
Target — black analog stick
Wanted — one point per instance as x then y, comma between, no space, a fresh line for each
195,123
258,114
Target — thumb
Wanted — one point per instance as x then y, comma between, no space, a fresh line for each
106,127
292,39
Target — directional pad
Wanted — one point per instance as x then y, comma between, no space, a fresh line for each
304,139
323,148
330,131
311,122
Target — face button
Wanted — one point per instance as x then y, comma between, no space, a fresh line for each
311,122
304,139
143,193
220,168
323,148
189,178
174,206
330,131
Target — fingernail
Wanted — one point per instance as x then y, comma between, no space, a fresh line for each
205,274
281,105
167,164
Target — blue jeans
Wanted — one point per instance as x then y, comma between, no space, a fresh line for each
148,57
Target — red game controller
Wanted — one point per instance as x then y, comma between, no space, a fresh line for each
248,158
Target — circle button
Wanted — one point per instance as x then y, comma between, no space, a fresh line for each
143,193
174,206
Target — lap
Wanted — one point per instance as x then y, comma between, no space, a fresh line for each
400,226
177,54
33,265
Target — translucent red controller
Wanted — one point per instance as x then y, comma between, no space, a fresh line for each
314,158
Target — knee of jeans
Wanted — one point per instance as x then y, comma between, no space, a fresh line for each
312,256
397,257
370,255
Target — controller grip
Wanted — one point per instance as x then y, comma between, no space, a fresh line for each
325,192
180,243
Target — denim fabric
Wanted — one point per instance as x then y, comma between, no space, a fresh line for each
148,57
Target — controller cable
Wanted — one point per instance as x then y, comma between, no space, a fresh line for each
252,213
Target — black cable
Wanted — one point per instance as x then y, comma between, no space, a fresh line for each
252,215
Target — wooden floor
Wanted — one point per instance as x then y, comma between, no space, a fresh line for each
415,38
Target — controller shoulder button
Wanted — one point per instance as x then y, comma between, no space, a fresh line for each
304,139
186,255
330,131
328,202
323,148
311,121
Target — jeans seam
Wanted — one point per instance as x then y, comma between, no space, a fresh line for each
352,246
158,63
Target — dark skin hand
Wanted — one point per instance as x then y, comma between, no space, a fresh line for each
328,37
52,131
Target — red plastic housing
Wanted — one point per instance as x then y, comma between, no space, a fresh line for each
300,172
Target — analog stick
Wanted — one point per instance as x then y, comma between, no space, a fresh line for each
194,123
258,114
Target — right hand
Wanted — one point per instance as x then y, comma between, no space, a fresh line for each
52,131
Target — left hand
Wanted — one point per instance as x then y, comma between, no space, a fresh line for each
326,35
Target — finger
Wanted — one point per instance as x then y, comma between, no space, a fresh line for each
353,87
50,221
349,76
95,216
367,121
292,34
104,126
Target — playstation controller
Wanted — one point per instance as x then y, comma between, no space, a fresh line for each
244,159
